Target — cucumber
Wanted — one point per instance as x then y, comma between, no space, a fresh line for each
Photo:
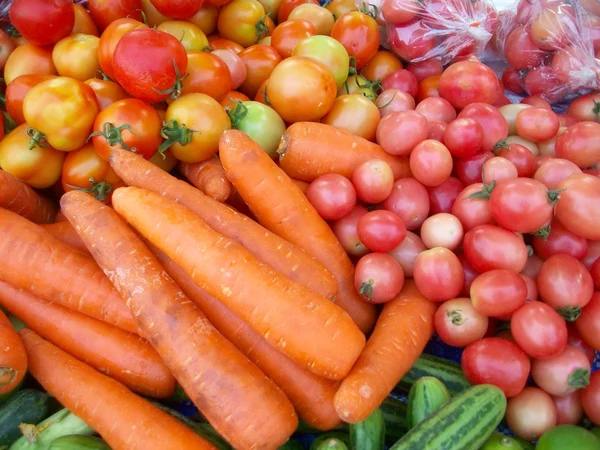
292,444
464,423
331,444
62,423
498,441
448,372
426,396
27,405
394,416
330,435
368,434
75,442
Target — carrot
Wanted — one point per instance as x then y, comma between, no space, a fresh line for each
309,150
121,355
241,403
13,359
17,197
34,260
311,395
404,327
269,248
282,208
60,217
308,328
124,420
209,177
303,185
64,231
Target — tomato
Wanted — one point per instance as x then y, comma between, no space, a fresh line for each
84,23
381,230
579,206
373,180
359,34
496,361
107,92
301,89
16,91
260,60
286,35
436,108
410,201
243,22
378,277
510,112
216,42
328,51
28,59
559,240
579,144
76,56
332,195
576,340
466,82
429,87
489,247
151,14
496,170
400,132
469,170
438,274
105,12
542,84
458,324
237,68
520,50
287,6
539,330
498,293
42,22
345,229
464,137
431,163
554,171
355,114
191,36
399,11
177,9
537,100
7,46
532,291
585,108
208,74
520,157
562,374
531,413
425,69
569,409
109,40
382,66
320,17
442,230
513,81
590,399
443,197
411,40
537,124
406,253
394,100
402,79
261,123
357,84
491,120
205,19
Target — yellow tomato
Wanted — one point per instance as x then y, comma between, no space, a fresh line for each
243,22
28,59
320,17
84,24
206,19
354,113
76,56
191,36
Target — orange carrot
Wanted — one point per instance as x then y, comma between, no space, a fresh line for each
13,359
303,185
282,208
209,177
17,197
307,327
311,395
124,420
64,231
241,403
32,259
269,248
60,217
309,150
404,327
121,355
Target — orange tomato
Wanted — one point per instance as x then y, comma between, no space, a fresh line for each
107,92
260,60
429,87
76,56
354,113
16,91
286,35
320,17
359,33
232,97
340,7
106,12
84,24
287,6
262,95
381,65
206,19
243,21
109,40
29,59
207,74
191,36
218,43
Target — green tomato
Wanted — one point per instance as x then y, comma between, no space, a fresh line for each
260,122
328,51
564,437
498,441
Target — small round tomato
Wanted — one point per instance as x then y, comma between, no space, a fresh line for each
76,56
288,34
498,293
539,330
28,59
436,108
569,409
401,79
425,69
466,82
521,157
491,120
497,170
42,22
243,22
429,87
110,39
260,60
411,40
406,253
400,11
354,113
381,230
178,9
442,197
383,64
472,209
332,195
513,81
345,229
579,144
458,324
394,100
553,171
585,108
378,277
287,6
537,124
520,50
359,34
579,206
320,17
489,247
410,201
442,230
531,413
562,374
260,122
464,137
373,180
107,92
400,132
328,51
207,74
590,399
469,170
16,91
205,19
191,36
431,162
236,66
438,274
559,240
496,361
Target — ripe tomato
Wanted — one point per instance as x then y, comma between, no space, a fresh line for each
129,124
301,89
443,197
590,399
411,40
110,38
381,230
320,17
521,157
243,22
218,43
464,137
373,180
400,132
16,91
260,122
431,162
345,229
105,12
562,374
191,36
378,277
512,80
569,409
205,19
585,108
458,324
559,240
107,92
153,17
357,84
466,82
207,74
539,330
7,46
76,56
359,34
355,114
496,361
178,9
469,170
383,64
399,11
332,195
288,34
429,87
554,171
425,69
520,50
537,124
472,211
406,253
489,247
401,79
84,23
410,201
498,293
438,274
236,66
497,170
394,100
579,206
531,413
287,6
328,51
42,22
436,108
579,144
442,230
491,120
260,60
28,59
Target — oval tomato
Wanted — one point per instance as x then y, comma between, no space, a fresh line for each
42,22
559,240
110,39
553,171
105,12
355,114
381,230
458,324
287,35
539,330
585,108
332,195
107,92
28,59
498,293
400,132
579,206
438,274
16,91
431,162
442,230
359,34
260,61
489,247
579,144
378,277
472,211
76,56
178,9
329,51
464,137
381,65
491,120
562,374
410,201
466,82
243,22
207,74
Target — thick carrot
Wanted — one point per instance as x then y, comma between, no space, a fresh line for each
124,420
311,395
282,208
245,406
307,327
404,327
269,248
17,197
309,150
64,231
13,359
209,177
119,354
34,260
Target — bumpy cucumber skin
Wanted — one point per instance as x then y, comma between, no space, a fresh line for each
75,442
394,416
332,444
426,396
448,372
26,406
368,434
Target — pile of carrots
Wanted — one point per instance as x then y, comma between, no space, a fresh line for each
254,315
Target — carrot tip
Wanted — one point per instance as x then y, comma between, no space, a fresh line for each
7,375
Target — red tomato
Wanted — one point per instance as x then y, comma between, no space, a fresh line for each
521,157
578,342
42,22
393,100
585,108
378,277
410,40
105,12
16,91
425,69
464,137
437,129
532,290
438,274
207,74
429,87
442,230
410,201
579,206
400,132
496,361
496,170
512,80
531,413
359,34
537,124
542,82
332,195
569,410
436,108
489,247
107,92
533,266
536,100
469,274
458,324
539,330
110,39
553,171
491,120
559,240
562,374
590,399
520,51
469,170
345,229
402,79
498,293
178,9
406,253
287,34
260,60
579,144
443,197
472,211
431,163
399,11
466,82
380,230
373,180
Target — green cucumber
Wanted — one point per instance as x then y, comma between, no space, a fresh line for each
498,441
75,442
394,416
331,444
62,423
27,405
368,434
330,435
448,372
568,437
426,396
292,445
464,423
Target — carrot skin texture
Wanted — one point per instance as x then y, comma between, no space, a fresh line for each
303,185
281,207
64,231
124,420
311,395
309,150
19,198
119,354
404,327
32,259
281,310
241,403
209,177
269,248
13,359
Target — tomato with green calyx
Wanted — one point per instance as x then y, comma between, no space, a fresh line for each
563,374
357,84
16,91
243,22
568,436
105,12
207,74
190,35
329,51
359,34
109,40
378,278
260,122
42,22
76,56
107,92
178,9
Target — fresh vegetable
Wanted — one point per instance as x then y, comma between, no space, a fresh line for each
13,360
563,374
64,231
74,442
426,396
378,277
568,436
394,416
368,434
331,444
338,438
332,195
17,197
530,413
457,323
209,177
448,372
25,406
31,19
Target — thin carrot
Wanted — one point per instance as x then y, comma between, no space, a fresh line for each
282,208
34,260
311,395
303,185
17,197
124,420
119,354
404,327
269,248
64,231
13,359
209,177
309,150
307,327
241,403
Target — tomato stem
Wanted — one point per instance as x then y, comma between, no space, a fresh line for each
114,135
554,195
500,145
144,18
174,91
237,114
596,110
543,232
485,192
369,9
7,375
570,313
366,289
579,378
9,123
455,317
261,27
37,138
99,190
174,132
388,103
